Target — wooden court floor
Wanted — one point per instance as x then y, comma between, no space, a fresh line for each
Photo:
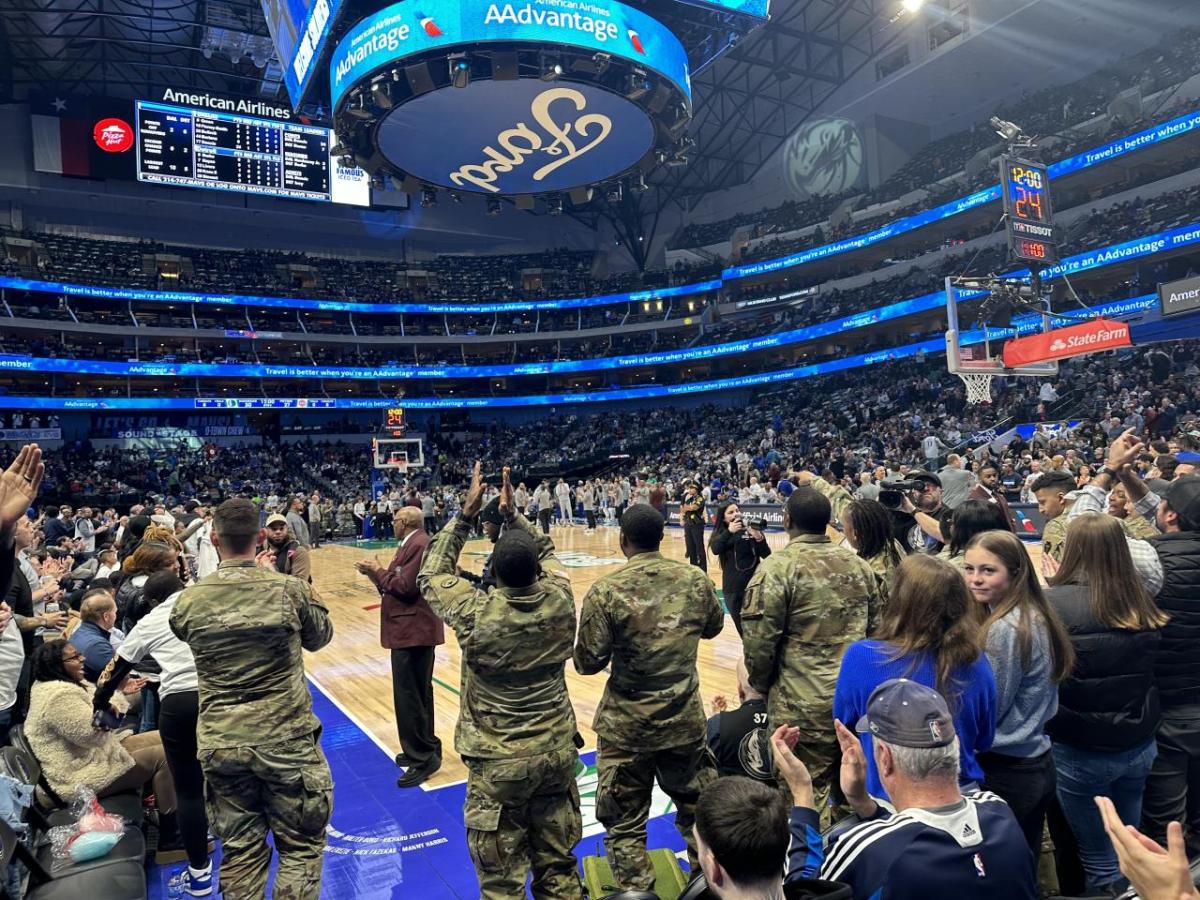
356,672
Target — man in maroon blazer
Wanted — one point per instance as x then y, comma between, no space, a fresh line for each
411,630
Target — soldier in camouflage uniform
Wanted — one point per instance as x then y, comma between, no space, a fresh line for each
804,606
1120,508
884,561
646,620
1055,496
516,727
257,737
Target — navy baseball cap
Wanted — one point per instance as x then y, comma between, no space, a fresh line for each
907,714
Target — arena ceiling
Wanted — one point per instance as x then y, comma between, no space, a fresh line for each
760,90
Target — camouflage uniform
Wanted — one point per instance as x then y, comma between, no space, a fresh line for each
804,606
516,727
1137,527
1054,533
880,563
647,619
257,737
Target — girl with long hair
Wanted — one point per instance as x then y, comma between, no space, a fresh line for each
927,633
739,548
1030,652
969,518
1108,713
868,528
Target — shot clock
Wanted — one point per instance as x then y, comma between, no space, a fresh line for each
1028,214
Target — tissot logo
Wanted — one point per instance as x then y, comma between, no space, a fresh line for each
514,146
113,135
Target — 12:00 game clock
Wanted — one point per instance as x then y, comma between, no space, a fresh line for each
1028,214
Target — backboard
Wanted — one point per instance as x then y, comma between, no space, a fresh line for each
398,453
975,356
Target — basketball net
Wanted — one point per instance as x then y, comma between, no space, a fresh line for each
979,386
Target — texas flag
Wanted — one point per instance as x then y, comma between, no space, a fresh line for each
636,41
429,25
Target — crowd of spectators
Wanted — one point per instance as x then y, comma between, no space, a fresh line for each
1107,225
937,169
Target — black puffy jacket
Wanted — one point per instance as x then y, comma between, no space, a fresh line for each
1178,667
1110,702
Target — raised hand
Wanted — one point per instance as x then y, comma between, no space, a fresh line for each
1124,450
507,504
474,499
19,485
853,775
1156,873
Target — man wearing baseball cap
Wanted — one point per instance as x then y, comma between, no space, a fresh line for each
282,552
936,842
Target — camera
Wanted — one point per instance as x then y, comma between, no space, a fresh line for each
893,495
757,524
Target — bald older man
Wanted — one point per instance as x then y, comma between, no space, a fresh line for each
411,630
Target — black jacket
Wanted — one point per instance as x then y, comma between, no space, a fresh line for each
1109,703
739,557
1178,667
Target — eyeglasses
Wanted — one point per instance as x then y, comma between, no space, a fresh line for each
73,657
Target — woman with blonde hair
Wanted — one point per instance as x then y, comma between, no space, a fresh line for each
928,633
1104,733
1030,652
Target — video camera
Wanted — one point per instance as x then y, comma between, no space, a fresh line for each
892,496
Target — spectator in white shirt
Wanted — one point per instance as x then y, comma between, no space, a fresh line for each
12,658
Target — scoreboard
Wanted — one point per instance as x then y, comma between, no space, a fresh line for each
265,403
1027,211
202,148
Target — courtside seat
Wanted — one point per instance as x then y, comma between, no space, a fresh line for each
127,804
118,880
22,767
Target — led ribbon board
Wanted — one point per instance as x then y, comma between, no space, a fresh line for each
514,135
1025,324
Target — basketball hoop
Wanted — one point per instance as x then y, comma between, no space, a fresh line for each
979,386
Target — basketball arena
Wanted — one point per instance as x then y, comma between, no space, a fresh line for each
599,449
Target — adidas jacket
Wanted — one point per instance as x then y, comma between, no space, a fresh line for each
971,849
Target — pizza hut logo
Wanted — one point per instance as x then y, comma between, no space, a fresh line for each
113,135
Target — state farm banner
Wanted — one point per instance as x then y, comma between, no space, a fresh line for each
1061,343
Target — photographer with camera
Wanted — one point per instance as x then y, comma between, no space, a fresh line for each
916,509
739,545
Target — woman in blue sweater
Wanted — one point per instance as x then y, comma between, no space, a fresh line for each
1030,652
927,634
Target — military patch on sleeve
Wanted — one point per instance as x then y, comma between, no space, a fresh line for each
449,581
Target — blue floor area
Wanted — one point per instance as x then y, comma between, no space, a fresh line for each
385,842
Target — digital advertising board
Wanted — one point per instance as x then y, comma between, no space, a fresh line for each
591,88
